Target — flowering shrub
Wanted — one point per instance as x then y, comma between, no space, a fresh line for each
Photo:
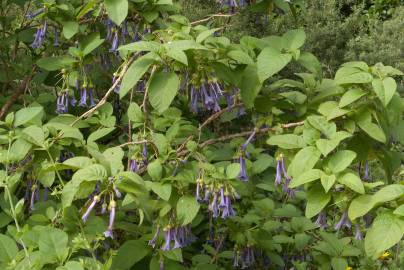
144,140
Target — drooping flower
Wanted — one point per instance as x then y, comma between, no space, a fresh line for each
167,237
133,166
112,209
290,192
95,200
367,219
343,222
358,233
62,103
117,87
222,203
278,178
236,258
153,241
91,96
228,210
213,206
145,154
34,191
39,36
199,185
322,220
243,169
115,41
83,97
366,177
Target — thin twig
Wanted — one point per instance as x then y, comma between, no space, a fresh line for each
211,17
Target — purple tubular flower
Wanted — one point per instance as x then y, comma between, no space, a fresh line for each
207,195
243,170
290,192
90,208
115,42
236,258
358,233
199,185
92,102
133,166
344,221
153,241
56,41
109,24
31,15
83,97
193,100
322,220
161,265
228,210
167,237
112,209
285,174
33,195
117,193
118,87
145,154
367,219
222,203
177,242
39,36
213,207
278,178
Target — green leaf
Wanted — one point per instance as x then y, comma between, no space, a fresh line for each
341,160
162,190
316,201
98,134
162,90
55,63
320,123
155,170
328,181
399,211
8,249
311,63
18,150
136,71
117,10
385,89
46,177
78,162
326,146
306,177
132,183
352,75
25,115
92,172
187,209
303,161
386,231
53,243
70,29
351,96
294,39
90,43
178,55
241,57
287,141
34,135
339,264
270,61
352,181
205,34
135,113
141,46
360,206
249,85
373,130
129,253
233,170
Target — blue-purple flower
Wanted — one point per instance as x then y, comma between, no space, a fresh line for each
153,241
366,177
39,36
95,200
243,169
322,220
358,233
112,209
83,97
133,166
145,154
343,222
62,103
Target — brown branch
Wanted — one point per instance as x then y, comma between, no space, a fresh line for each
211,17
15,96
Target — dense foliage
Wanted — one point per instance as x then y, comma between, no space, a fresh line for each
132,137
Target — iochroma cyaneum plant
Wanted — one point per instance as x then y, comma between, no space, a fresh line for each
132,138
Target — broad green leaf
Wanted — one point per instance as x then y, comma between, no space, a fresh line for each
70,29
249,85
94,172
294,39
386,231
79,162
352,181
55,63
316,201
129,253
352,75
141,46
178,55
306,177
351,96
34,135
328,181
205,34
134,73
98,134
187,209
117,10
155,170
389,193
270,61
132,183
90,43
8,249
18,150
311,63
373,130
399,211
233,170
326,146
163,88
339,264
241,57
114,155
135,113
53,243
46,177
320,123
184,45
287,141
385,89
162,190
303,161
360,206
341,160
26,115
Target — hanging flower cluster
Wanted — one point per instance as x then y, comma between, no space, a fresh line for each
244,258
281,169
174,237
205,92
